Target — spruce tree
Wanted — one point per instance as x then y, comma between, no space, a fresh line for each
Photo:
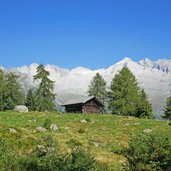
44,97
124,93
144,107
2,90
97,87
14,93
167,110
30,103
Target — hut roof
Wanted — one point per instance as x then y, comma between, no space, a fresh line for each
82,100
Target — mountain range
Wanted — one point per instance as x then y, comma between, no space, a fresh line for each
153,76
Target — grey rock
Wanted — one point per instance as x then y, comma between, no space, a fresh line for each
54,127
12,131
21,109
127,124
41,129
83,121
66,128
98,144
147,130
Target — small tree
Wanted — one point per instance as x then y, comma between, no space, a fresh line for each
97,87
124,93
44,97
13,91
144,108
167,110
30,100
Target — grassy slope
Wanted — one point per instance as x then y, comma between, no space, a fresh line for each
107,131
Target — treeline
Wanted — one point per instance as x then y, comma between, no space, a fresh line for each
41,98
123,97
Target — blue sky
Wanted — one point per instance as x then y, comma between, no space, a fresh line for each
89,33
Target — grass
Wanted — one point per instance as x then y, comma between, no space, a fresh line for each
104,136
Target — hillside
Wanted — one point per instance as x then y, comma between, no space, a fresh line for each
153,76
103,135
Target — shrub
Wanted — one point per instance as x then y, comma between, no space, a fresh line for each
8,157
73,143
88,120
79,160
116,148
43,156
47,123
148,152
47,157
169,123
81,131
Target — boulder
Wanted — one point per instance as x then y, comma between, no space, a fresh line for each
21,109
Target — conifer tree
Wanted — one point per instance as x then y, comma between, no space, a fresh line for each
13,91
124,93
30,100
44,97
167,110
2,90
144,108
97,87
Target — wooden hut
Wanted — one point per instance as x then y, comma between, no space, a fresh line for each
84,105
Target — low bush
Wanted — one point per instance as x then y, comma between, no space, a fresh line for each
148,152
8,157
88,120
46,156
81,131
117,149
73,143
47,123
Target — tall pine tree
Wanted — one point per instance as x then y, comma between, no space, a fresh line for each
97,87
44,97
14,93
126,98
144,107
167,110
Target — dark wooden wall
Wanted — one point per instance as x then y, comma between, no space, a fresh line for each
92,107
89,107
74,108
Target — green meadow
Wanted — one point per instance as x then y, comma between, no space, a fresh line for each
104,136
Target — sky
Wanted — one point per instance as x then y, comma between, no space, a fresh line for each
89,33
